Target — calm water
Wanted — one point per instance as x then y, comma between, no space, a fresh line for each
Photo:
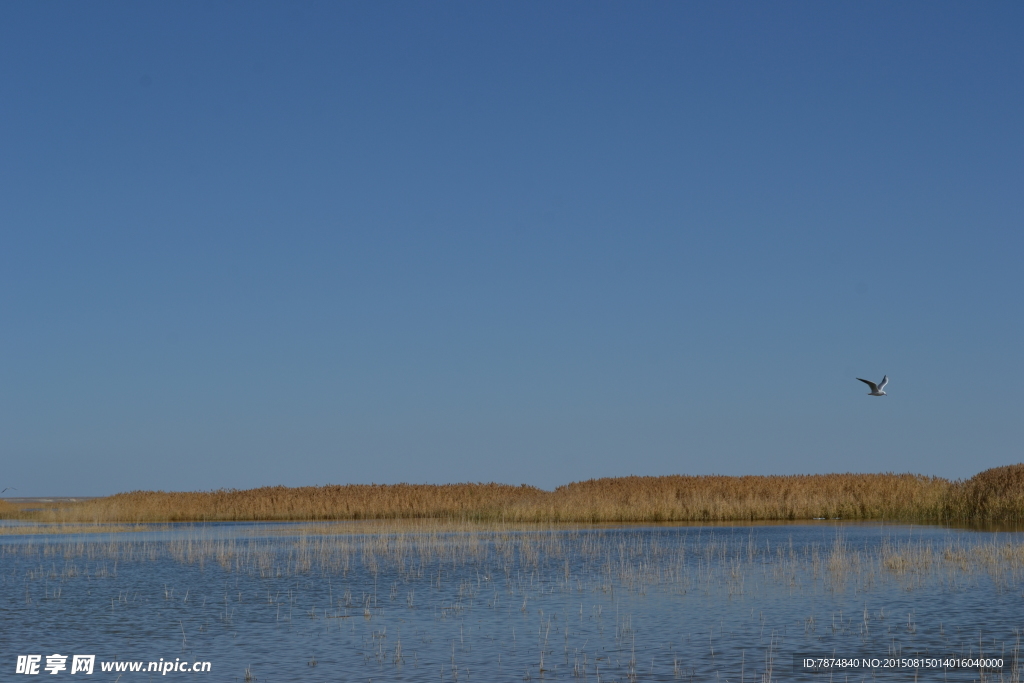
605,604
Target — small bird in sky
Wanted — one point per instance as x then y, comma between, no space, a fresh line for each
9,488
876,389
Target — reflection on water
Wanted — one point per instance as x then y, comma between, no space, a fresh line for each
302,602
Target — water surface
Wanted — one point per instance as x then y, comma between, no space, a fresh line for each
300,602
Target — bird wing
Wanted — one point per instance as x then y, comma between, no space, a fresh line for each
874,387
885,380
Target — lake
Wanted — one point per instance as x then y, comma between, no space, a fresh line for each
421,602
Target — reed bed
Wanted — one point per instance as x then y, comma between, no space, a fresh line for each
280,503
717,498
996,495
7,510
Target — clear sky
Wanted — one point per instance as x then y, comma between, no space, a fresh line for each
293,243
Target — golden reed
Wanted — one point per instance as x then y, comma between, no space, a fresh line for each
6,509
994,495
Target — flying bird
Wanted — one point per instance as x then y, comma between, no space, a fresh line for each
9,488
876,389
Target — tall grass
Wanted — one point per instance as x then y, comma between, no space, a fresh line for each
279,503
995,495
7,510
717,498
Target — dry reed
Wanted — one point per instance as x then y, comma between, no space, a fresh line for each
995,495
716,498
280,503
7,510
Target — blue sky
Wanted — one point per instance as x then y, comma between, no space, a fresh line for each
304,243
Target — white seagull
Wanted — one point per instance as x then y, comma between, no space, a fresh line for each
876,389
